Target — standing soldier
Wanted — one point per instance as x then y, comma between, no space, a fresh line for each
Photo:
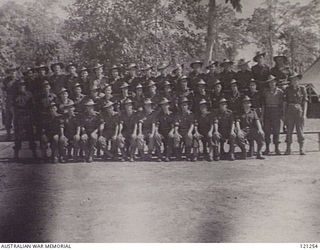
200,94
248,127
195,75
96,96
147,135
243,76
162,77
234,98
63,99
175,77
272,110
58,79
41,76
170,96
78,98
226,76
139,98
223,131
212,77
72,76
132,79
10,87
256,97
108,97
98,79
127,131
30,80
217,95
205,122
23,105
115,80
84,80
184,128
260,71
109,130
123,96
295,111
147,76
281,70
70,134
153,94
166,120
90,122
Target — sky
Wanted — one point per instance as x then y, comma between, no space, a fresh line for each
248,7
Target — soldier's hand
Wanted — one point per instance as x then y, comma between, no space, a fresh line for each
210,134
76,137
233,134
261,132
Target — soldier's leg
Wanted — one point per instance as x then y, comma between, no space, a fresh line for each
241,142
63,147
276,133
232,141
141,141
102,144
76,146
188,142
168,146
54,144
31,138
300,127
216,140
8,121
254,135
84,144
92,145
44,145
290,122
133,144
157,142
18,130
121,144
267,130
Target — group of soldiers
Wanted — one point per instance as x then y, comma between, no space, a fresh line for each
126,113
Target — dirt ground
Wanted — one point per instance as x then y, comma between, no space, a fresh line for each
276,200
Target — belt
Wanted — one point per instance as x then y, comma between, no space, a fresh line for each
294,104
272,106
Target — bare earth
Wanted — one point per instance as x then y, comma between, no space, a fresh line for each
276,200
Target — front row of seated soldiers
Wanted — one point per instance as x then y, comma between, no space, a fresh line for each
167,126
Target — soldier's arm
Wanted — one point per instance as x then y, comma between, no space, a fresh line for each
304,102
116,131
101,127
120,127
191,128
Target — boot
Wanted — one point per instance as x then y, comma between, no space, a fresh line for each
288,150
195,154
302,152
267,151
277,150
231,153
251,150
216,155
222,152
244,153
259,155
188,153
90,156
123,155
158,154
76,154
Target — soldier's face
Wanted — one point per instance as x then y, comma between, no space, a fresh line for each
98,71
110,109
203,108
148,72
57,69
84,74
53,109
22,88
223,106
260,59
71,110
184,84
132,71
115,73
184,107
167,89
139,91
90,109
253,86
94,93
108,91
162,72
153,89
212,68
197,68
272,84
148,107
64,95
178,71
124,91
128,108
202,89
294,81
30,74
246,105
77,90
72,69
227,66
43,72
234,87
47,88
218,88
165,107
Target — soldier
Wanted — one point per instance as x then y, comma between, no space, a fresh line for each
260,71
90,123
170,96
109,130
84,80
52,130
200,94
78,98
165,121
147,76
139,98
281,71
234,98
273,111
248,127
124,95
10,88
63,99
30,80
58,79
115,80
162,77
295,111
153,94
108,97
226,76
256,97
96,96
212,77
72,76
183,89
70,134
22,121
243,76
42,75
184,129
98,79
146,133
177,74
195,75
217,95
127,131
132,79
205,122
223,131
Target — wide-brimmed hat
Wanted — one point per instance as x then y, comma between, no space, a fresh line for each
242,62
177,66
271,78
295,75
226,61
252,80
83,68
27,70
108,104
97,66
184,100
259,54
42,66
124,85
246,99
132,65
70,64
52,104
147,67
94,88
166,83
76,85
147,101
195,63
215,63
183,78
69,105
201,82
139,86
203,101
223,100
164,101
275,58
45,83
62,90
114,67
151,83
90,102
127,101
12,67
52,65
233,81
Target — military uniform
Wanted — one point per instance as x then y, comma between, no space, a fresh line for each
260,74
57,82
234,102
243,78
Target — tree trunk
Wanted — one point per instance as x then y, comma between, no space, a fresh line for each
270,29
210,40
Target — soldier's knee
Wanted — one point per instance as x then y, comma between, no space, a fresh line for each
55,139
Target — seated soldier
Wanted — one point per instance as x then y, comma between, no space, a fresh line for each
165,126
139,98
170,96
63,99
234,99
70,134
183,131
127,131
78,98
205,123
223,131
90,123
147,131
51,131
248,127
216,95
109,130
